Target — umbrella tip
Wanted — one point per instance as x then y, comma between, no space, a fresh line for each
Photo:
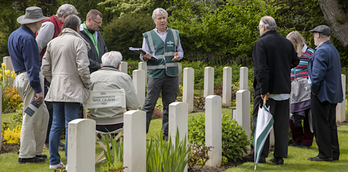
255,167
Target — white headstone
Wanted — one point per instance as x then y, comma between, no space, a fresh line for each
139,84
81,145
213,129
180,73
188,88
271,138
124,67
134,150
243,110
208,81
226,86
243,78
143,66
178,118
341,107
9,66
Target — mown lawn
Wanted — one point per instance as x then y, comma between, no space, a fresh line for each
297,159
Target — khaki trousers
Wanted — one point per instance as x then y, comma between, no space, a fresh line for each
34,128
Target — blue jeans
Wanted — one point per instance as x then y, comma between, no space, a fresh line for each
62,111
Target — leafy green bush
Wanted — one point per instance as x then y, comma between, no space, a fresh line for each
124,32
234,139
163,156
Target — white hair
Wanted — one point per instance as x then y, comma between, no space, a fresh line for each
66,9
269,23
112,58
159,11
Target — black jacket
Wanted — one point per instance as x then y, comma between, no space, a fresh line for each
94,59
273,57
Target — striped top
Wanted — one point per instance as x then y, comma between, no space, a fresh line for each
301,70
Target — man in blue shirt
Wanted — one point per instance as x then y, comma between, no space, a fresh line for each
324,70
25,58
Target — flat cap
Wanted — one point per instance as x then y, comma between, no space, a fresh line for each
322,29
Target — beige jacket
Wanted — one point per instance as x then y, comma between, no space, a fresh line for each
108,78
65,66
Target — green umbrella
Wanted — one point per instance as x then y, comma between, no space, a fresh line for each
264,124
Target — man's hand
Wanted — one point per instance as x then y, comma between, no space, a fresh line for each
265,96
146,56
39,97
176,57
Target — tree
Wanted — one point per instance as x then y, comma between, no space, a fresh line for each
336,19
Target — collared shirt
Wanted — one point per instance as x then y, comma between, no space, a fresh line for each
25,55
45,35
163,36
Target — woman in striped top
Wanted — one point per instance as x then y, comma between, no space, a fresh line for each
300,107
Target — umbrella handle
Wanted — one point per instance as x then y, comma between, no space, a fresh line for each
264,99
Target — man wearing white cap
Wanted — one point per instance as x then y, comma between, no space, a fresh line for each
25,58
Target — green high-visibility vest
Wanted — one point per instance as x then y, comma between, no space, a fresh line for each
164,51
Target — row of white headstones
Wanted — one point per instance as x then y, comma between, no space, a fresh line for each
81,141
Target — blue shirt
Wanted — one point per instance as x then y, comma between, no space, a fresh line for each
25,55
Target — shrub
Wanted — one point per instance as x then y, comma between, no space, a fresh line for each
157,112
234,139
114,156
124,32
163,156
198,155
11,99
12,136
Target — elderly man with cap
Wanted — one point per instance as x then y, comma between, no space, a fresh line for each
25,58
324,70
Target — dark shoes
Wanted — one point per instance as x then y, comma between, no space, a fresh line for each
320,159
41,156
31,160
278,161
294,144
165,138
303,146
251,159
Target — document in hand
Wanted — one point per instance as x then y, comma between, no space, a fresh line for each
31,109
141,51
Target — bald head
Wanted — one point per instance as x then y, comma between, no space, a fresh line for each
269,23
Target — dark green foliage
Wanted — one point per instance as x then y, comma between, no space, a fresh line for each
122,33
198,155
166,155
234,139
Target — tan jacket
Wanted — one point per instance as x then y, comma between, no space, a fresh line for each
65,66
108,78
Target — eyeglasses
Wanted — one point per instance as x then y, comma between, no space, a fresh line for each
259,26
99,23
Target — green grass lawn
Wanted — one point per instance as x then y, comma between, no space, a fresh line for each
296,161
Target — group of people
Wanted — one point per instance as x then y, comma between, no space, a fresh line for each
75,60
297,80
58,60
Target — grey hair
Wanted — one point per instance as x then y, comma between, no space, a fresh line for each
112,58
66,9
296,38
159,11
269,23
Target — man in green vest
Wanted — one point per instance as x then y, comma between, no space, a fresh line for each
164,44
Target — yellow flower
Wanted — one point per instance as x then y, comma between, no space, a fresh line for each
7,73
3,65
13,74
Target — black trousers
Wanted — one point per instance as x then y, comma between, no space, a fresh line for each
280,112
325,128
169,87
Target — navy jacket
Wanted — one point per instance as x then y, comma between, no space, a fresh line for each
273,57
94,59
324,69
